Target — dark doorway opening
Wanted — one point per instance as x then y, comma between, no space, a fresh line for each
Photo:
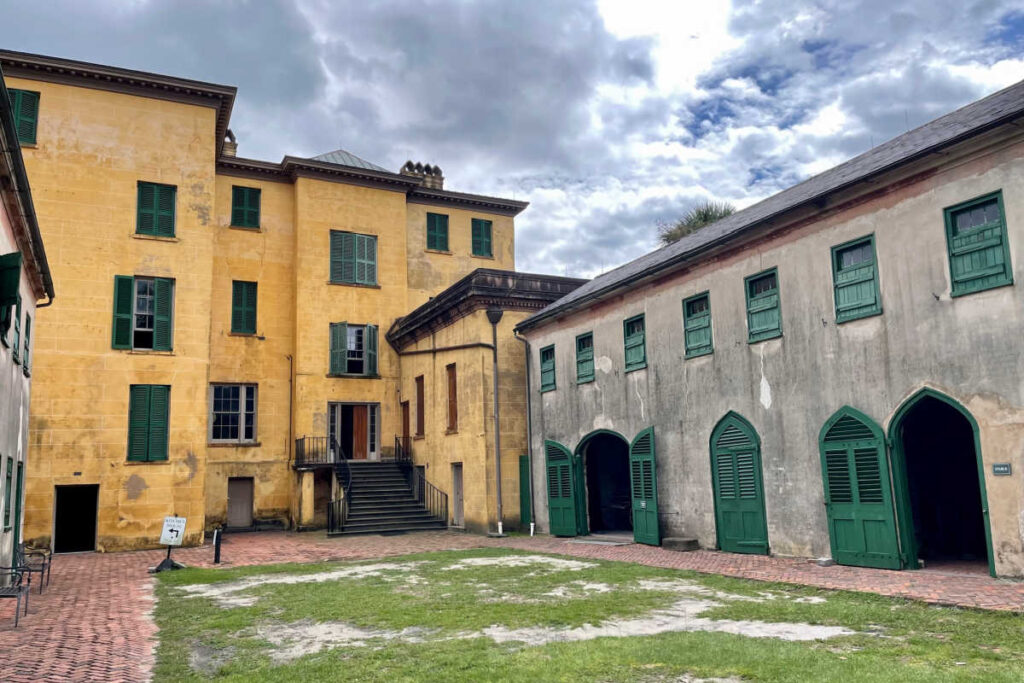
74,524
943,485
609,500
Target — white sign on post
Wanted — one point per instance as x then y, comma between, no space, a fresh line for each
173,532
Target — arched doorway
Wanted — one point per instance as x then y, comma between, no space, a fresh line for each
738,488
605,457
940,482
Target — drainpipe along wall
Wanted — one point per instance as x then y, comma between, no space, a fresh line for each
529,426
494,317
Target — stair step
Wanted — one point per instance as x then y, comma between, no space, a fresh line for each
376,514
351,530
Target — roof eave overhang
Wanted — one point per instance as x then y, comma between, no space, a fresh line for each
504,207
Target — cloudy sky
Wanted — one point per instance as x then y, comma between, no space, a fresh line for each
609,116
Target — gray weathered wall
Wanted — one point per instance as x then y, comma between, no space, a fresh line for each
968,348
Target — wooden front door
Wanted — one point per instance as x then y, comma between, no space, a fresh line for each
457,515
360,433
240,502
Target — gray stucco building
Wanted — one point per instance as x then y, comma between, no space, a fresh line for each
834,371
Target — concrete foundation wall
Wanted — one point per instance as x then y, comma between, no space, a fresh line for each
967,348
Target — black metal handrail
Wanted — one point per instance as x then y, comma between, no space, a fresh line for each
337,509
429,496
315,450
403,449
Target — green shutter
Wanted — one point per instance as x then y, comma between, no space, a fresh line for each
163,310
437,231
138,422
525,509
16,341
18,503
855,280
26,359
561,499
979,253
5,324
370,350
585,358
155,209
697,325
353,258
644,485
858,498
8,480
547,368
245,207
365,259
738,488
25,107
124,298
764,320
10,278
159,409
482,238
243,307
634,341
339,349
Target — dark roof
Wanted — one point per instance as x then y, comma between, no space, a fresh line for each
10,158
482,288
344,158
129,81
964,123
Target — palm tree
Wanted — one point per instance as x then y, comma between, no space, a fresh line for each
704,213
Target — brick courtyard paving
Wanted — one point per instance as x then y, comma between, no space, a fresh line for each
93,622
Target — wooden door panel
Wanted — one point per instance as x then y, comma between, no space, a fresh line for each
360,425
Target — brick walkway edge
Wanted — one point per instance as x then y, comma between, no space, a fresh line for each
94,623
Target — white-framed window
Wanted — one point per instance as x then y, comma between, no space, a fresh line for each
232,413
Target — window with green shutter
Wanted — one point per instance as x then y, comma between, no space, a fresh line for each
547,368
697,325
10,282
633,333
482,238
855,280
437,231
16,339
8,481
353,350
25,107
148,413
243,307
245,207
585,358
26,355
143,313
979,254
353,258
764,318
155,209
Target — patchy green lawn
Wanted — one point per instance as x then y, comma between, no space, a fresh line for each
512,616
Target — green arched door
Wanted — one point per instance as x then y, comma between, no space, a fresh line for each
561,494
643,479
858,497
738,487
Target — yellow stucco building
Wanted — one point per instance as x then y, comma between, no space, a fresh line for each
219,314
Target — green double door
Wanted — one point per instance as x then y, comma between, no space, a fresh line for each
858,494
567,508
738,487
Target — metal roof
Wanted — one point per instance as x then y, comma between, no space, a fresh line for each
947,130
343,158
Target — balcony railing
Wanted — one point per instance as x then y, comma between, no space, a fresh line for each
403,449
316,451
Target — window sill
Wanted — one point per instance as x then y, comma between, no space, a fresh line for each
584,381
233,444
28,145
635,368
489,257
346,375
155,238
548,390
955,294
445,252
147,462
451,431
146,352
246,334
860,316
352,284
698,354
246,228
758,340
418,437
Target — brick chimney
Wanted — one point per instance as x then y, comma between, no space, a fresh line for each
430,175
230,145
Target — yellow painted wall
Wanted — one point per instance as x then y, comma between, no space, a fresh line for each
265,256
93,147
432,271
472,444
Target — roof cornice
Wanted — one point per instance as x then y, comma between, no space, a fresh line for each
126,81
505,207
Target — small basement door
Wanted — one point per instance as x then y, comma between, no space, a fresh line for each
240,502
74,524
